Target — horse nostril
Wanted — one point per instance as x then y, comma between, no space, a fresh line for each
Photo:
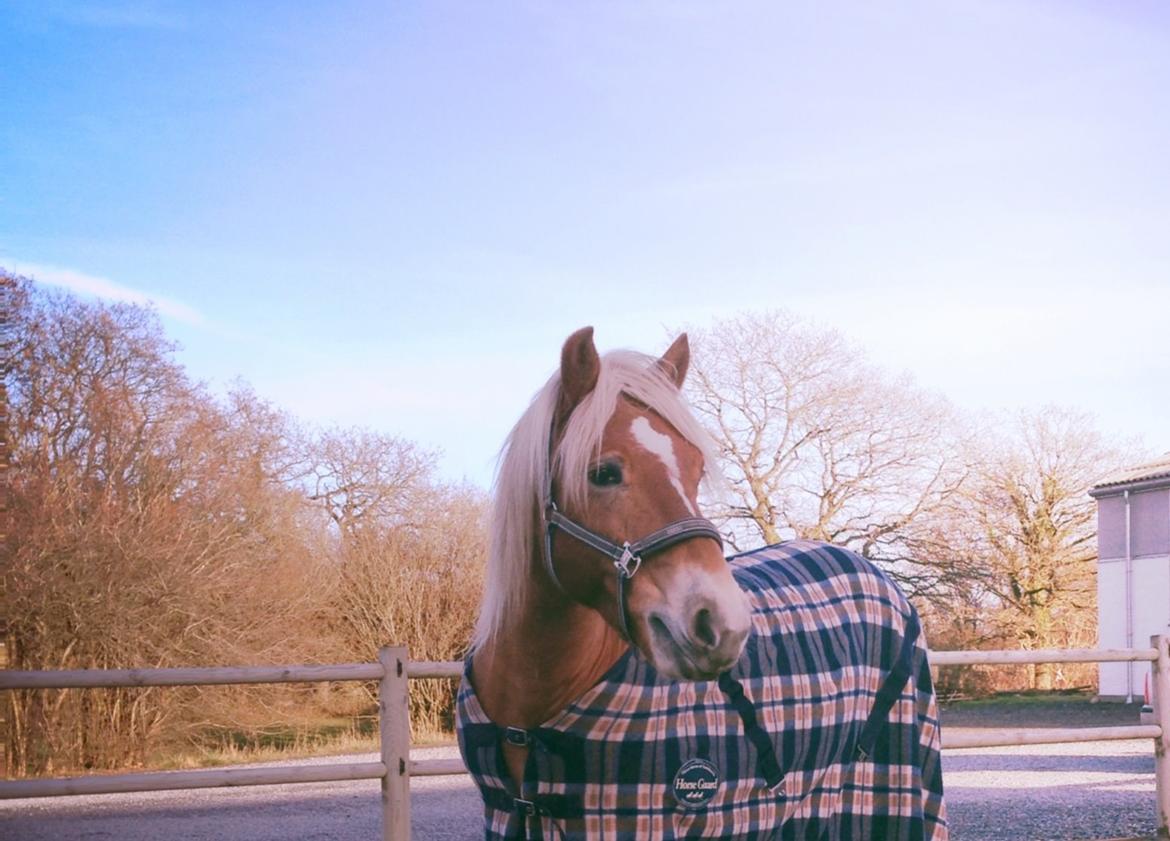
704,632
658,627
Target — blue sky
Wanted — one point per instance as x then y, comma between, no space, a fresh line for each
393,213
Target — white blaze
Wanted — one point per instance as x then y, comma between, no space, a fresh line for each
660,445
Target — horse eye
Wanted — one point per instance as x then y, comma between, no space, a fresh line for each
606,474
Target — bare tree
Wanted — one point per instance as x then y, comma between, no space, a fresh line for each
1031,528
155,525
406,557
818,443
359,475
150,527
414,583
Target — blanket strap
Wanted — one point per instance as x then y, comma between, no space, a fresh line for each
890,690
769,767
556,806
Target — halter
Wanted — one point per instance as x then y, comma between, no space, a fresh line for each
627,558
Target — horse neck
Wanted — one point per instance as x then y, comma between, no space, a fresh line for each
549,655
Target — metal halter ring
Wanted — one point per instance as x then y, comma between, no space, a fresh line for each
623,563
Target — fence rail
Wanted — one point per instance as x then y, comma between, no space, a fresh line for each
209,778
394,670
89,678
1042,655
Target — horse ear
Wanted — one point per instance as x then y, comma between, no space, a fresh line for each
677,360
580,367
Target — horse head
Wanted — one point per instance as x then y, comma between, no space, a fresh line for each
658,573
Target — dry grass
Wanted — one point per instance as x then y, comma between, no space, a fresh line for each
330,737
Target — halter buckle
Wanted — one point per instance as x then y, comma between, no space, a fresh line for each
627,559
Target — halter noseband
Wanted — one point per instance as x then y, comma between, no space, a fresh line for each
627,558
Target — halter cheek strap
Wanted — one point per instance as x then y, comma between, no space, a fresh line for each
627,558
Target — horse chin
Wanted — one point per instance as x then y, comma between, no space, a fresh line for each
685,670
680,662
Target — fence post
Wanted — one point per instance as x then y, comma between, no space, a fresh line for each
1161,703
394,728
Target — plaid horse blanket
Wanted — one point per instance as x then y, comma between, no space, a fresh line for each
826,728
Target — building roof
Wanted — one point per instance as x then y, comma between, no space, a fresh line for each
1159,468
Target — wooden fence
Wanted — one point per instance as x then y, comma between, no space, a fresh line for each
395,767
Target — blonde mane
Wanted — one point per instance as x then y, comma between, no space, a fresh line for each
523,463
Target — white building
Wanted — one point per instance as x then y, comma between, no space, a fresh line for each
1133,569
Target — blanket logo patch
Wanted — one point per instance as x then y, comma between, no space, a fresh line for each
695,783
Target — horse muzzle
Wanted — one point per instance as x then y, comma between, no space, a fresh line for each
700,641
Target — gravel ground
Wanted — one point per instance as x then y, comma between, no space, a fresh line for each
1071,791
1078,791
442,809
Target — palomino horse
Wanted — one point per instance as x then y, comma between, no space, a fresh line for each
628,681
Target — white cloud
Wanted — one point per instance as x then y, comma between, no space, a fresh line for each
101,287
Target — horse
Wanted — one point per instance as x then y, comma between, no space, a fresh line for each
626,680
